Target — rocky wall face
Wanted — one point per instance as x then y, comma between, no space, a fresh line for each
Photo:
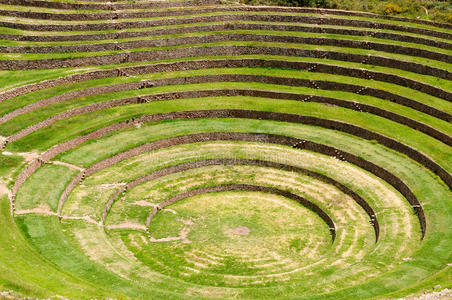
174,4
300,19
229,26
200,51
248,162
200,64
293,142
232,92
231,37
110,6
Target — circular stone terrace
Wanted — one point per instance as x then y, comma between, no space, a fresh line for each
193,149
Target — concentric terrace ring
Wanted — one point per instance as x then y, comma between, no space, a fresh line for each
195,150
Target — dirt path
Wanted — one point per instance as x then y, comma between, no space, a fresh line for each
62,163
45,211
29,156
38,211
127,225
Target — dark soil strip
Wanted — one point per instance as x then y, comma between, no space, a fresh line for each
296,17
212,38
247,162
102,6
228,26
212,50
249,188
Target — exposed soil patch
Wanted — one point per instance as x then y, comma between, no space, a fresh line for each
62,163
39,210
4,189
127,225
181,237
29,156
241,230
42,209
144,203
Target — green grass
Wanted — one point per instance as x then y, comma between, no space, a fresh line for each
213,217
431,10
62,55
199,247
33,74
384,21
44,188
380,156
82,124
8,163
224,32
21,101
5,30
26,271
60,249
38,115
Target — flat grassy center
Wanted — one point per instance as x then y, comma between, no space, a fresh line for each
232,238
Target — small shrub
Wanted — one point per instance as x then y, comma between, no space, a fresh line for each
391,9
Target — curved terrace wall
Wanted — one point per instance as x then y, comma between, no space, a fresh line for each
99,155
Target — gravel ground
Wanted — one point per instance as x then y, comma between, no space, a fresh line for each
445,294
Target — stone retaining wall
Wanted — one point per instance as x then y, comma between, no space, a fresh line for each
265,138
70,95
168,4
200,51
248,162
268,138
255,188
235,63
298,19
229,26
433,132
109,6
213,38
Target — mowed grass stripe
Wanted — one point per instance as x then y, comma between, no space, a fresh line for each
192,177
246,162
131,168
